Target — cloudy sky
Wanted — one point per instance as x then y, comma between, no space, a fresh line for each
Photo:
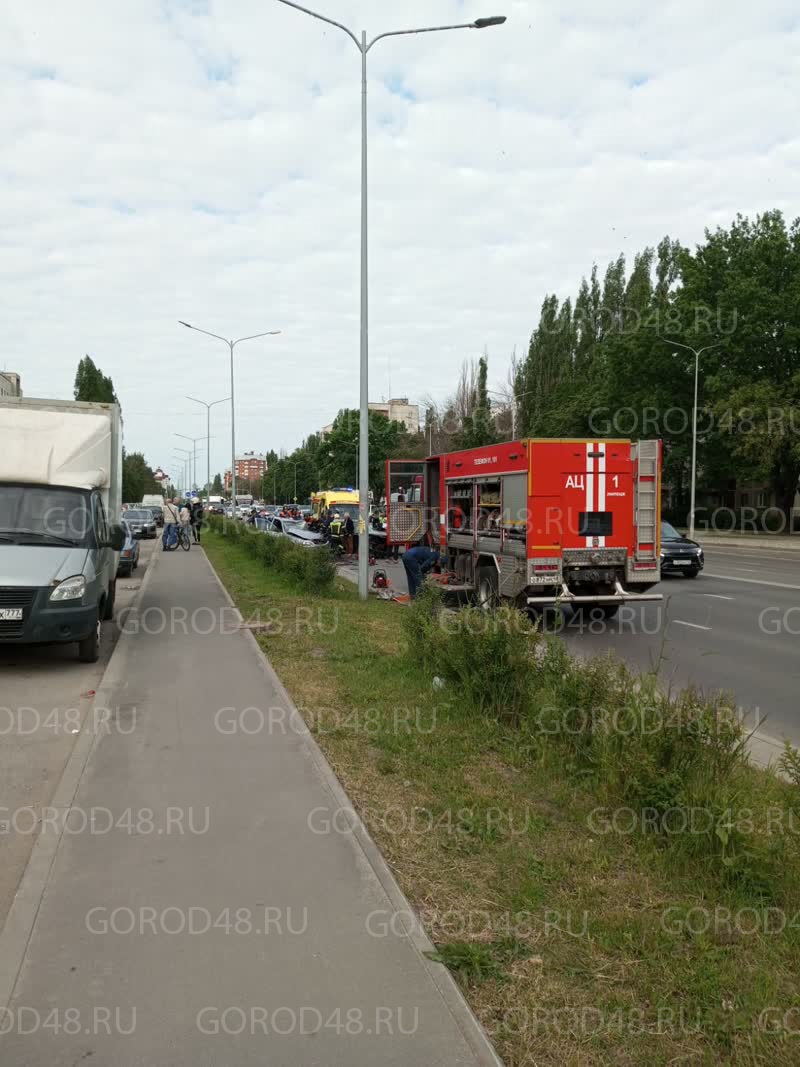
199,160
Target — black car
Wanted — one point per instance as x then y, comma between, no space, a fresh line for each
141,522
679,555
156,511
129,556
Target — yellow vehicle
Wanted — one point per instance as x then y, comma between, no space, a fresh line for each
343,501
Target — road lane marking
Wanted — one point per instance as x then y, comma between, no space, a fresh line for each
694,625
718,596
751,581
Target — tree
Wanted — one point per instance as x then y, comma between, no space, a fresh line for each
337,453
137,478
478,428
216,486
92,385
742,286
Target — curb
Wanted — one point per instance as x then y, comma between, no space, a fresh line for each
467,1022
23,913
733,541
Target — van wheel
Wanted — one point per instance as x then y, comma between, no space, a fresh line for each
89,647
108,603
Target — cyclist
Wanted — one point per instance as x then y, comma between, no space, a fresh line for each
171,523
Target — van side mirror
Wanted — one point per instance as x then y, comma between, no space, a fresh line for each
117,538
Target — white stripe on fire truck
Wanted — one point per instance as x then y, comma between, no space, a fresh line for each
601,484
589,484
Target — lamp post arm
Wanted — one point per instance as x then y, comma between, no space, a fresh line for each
206,332
323,18
423,29
252,337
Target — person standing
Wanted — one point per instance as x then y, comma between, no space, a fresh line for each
417,562
349,531
197,519
185,514
171,522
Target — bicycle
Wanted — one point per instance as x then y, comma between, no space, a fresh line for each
180,537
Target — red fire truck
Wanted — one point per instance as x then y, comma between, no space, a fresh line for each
537,522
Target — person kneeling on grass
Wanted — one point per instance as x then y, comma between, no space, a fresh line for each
417,562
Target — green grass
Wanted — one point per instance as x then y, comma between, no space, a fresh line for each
571,943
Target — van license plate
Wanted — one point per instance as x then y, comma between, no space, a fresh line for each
10,614
682,562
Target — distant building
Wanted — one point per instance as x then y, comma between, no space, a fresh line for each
9,384
397,410
250,467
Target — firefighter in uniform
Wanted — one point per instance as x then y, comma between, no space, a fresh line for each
335,528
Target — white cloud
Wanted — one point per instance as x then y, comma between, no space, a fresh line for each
201,161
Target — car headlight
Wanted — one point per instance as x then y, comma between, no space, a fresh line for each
70,589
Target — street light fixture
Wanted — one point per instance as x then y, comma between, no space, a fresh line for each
231,345
208,408
363,480
697,353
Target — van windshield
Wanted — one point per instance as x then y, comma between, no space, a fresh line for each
44,515
344,509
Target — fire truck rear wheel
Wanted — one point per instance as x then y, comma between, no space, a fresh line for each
487,589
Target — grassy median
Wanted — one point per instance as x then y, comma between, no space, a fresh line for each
533,811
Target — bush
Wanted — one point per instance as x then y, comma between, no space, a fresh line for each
668,757
311,569
487,657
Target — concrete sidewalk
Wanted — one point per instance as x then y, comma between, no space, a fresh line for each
197,910
771,542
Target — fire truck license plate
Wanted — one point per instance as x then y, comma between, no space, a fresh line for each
10,614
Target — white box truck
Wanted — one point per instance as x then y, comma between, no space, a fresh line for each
60,534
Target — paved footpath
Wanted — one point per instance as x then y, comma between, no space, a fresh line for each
216,922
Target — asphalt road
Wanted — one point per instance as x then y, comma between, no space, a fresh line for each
45,696
734,629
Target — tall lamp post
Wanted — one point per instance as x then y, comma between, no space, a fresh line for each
512,402
231,345
208,408
186,459
363,482
194,441
697,352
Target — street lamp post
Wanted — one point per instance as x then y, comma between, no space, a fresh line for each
363,482
231,345
208,408
513,405
697,352
186,458
194,441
